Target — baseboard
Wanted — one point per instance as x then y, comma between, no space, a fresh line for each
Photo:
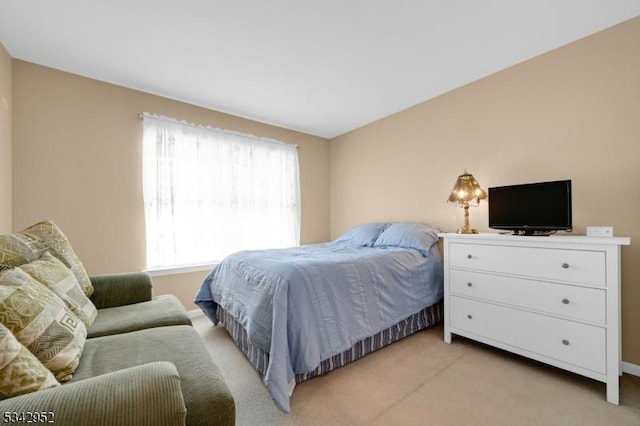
632,369
195,313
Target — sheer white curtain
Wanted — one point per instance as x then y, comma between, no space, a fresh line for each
210,192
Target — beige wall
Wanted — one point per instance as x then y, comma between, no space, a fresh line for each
573,113
5,140
77,160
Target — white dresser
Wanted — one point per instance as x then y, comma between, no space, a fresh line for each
554,299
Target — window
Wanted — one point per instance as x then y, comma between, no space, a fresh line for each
210,192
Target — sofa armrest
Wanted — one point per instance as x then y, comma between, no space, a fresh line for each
148,394
112,290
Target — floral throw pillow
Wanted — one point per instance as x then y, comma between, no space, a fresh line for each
50,235
41,322
20,370
54,274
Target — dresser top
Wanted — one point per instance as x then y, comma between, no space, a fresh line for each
551,239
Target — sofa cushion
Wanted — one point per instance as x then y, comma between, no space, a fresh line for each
20,370
160,311
49,234
206,394
40,321
54,274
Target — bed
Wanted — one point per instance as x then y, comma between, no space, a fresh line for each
303,311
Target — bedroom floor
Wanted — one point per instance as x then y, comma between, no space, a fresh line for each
423,381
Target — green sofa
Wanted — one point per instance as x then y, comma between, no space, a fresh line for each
141,363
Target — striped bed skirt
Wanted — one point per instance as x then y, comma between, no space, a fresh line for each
427,317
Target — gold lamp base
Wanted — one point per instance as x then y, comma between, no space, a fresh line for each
466,229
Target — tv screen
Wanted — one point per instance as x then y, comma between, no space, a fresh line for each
531,209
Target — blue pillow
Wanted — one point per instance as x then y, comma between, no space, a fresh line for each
419,236
363,235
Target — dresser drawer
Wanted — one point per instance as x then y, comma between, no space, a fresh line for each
579,303
571,266
567,341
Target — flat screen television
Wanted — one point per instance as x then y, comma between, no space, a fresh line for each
540,208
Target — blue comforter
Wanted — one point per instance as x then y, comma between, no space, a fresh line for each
305,304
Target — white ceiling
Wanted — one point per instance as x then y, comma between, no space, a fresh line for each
322,67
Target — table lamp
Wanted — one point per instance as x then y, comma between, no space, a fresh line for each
467,190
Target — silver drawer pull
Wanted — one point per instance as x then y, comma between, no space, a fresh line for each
565,301
565,265
469,284
469,256
565,342
470,316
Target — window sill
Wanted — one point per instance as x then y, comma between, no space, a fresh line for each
182,269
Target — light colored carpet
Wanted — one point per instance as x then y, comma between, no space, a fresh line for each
423,381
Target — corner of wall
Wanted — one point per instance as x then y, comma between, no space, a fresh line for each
6,140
